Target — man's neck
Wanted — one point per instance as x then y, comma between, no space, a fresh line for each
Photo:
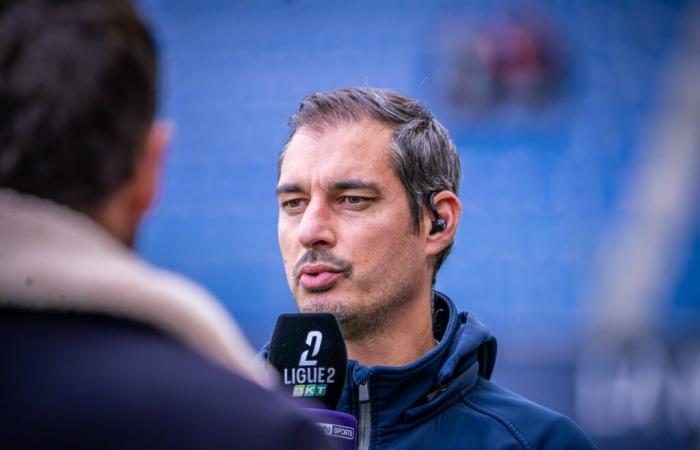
407,337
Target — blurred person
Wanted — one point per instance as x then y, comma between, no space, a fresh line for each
368,210
97,348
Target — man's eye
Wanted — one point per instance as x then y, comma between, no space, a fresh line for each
354,200
293,204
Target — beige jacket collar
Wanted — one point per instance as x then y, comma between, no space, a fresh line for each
53,258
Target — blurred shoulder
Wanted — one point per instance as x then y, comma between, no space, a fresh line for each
102,380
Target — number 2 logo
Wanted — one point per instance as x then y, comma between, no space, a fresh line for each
313,340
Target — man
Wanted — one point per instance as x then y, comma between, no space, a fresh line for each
368,204
97,348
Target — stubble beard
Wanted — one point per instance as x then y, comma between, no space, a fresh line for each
362,320
373,309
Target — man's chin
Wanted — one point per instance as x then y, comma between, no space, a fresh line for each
317,305
354,324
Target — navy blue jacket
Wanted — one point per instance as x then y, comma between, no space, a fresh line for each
445,401
77,381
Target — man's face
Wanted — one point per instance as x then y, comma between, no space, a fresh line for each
345,228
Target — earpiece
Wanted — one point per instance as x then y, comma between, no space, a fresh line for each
439,223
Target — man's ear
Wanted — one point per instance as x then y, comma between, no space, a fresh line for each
143,185
449,209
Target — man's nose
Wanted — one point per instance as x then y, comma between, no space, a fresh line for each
316,229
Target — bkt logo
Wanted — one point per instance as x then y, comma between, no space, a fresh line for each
308,379
309,390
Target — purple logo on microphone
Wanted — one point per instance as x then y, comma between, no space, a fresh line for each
337,430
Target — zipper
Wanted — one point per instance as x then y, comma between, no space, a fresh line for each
364,422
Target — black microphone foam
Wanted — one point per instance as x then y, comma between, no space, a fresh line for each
309,352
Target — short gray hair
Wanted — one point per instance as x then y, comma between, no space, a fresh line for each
424,157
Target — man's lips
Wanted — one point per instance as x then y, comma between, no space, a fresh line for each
318,276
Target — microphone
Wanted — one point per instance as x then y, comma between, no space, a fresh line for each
309,352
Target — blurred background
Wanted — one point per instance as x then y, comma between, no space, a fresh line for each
578,125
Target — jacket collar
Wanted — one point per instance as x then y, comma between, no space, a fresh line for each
54,258
402,395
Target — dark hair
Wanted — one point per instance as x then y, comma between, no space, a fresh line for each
77,95
423,155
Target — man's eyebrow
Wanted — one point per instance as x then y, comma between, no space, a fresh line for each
288,188
354,184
